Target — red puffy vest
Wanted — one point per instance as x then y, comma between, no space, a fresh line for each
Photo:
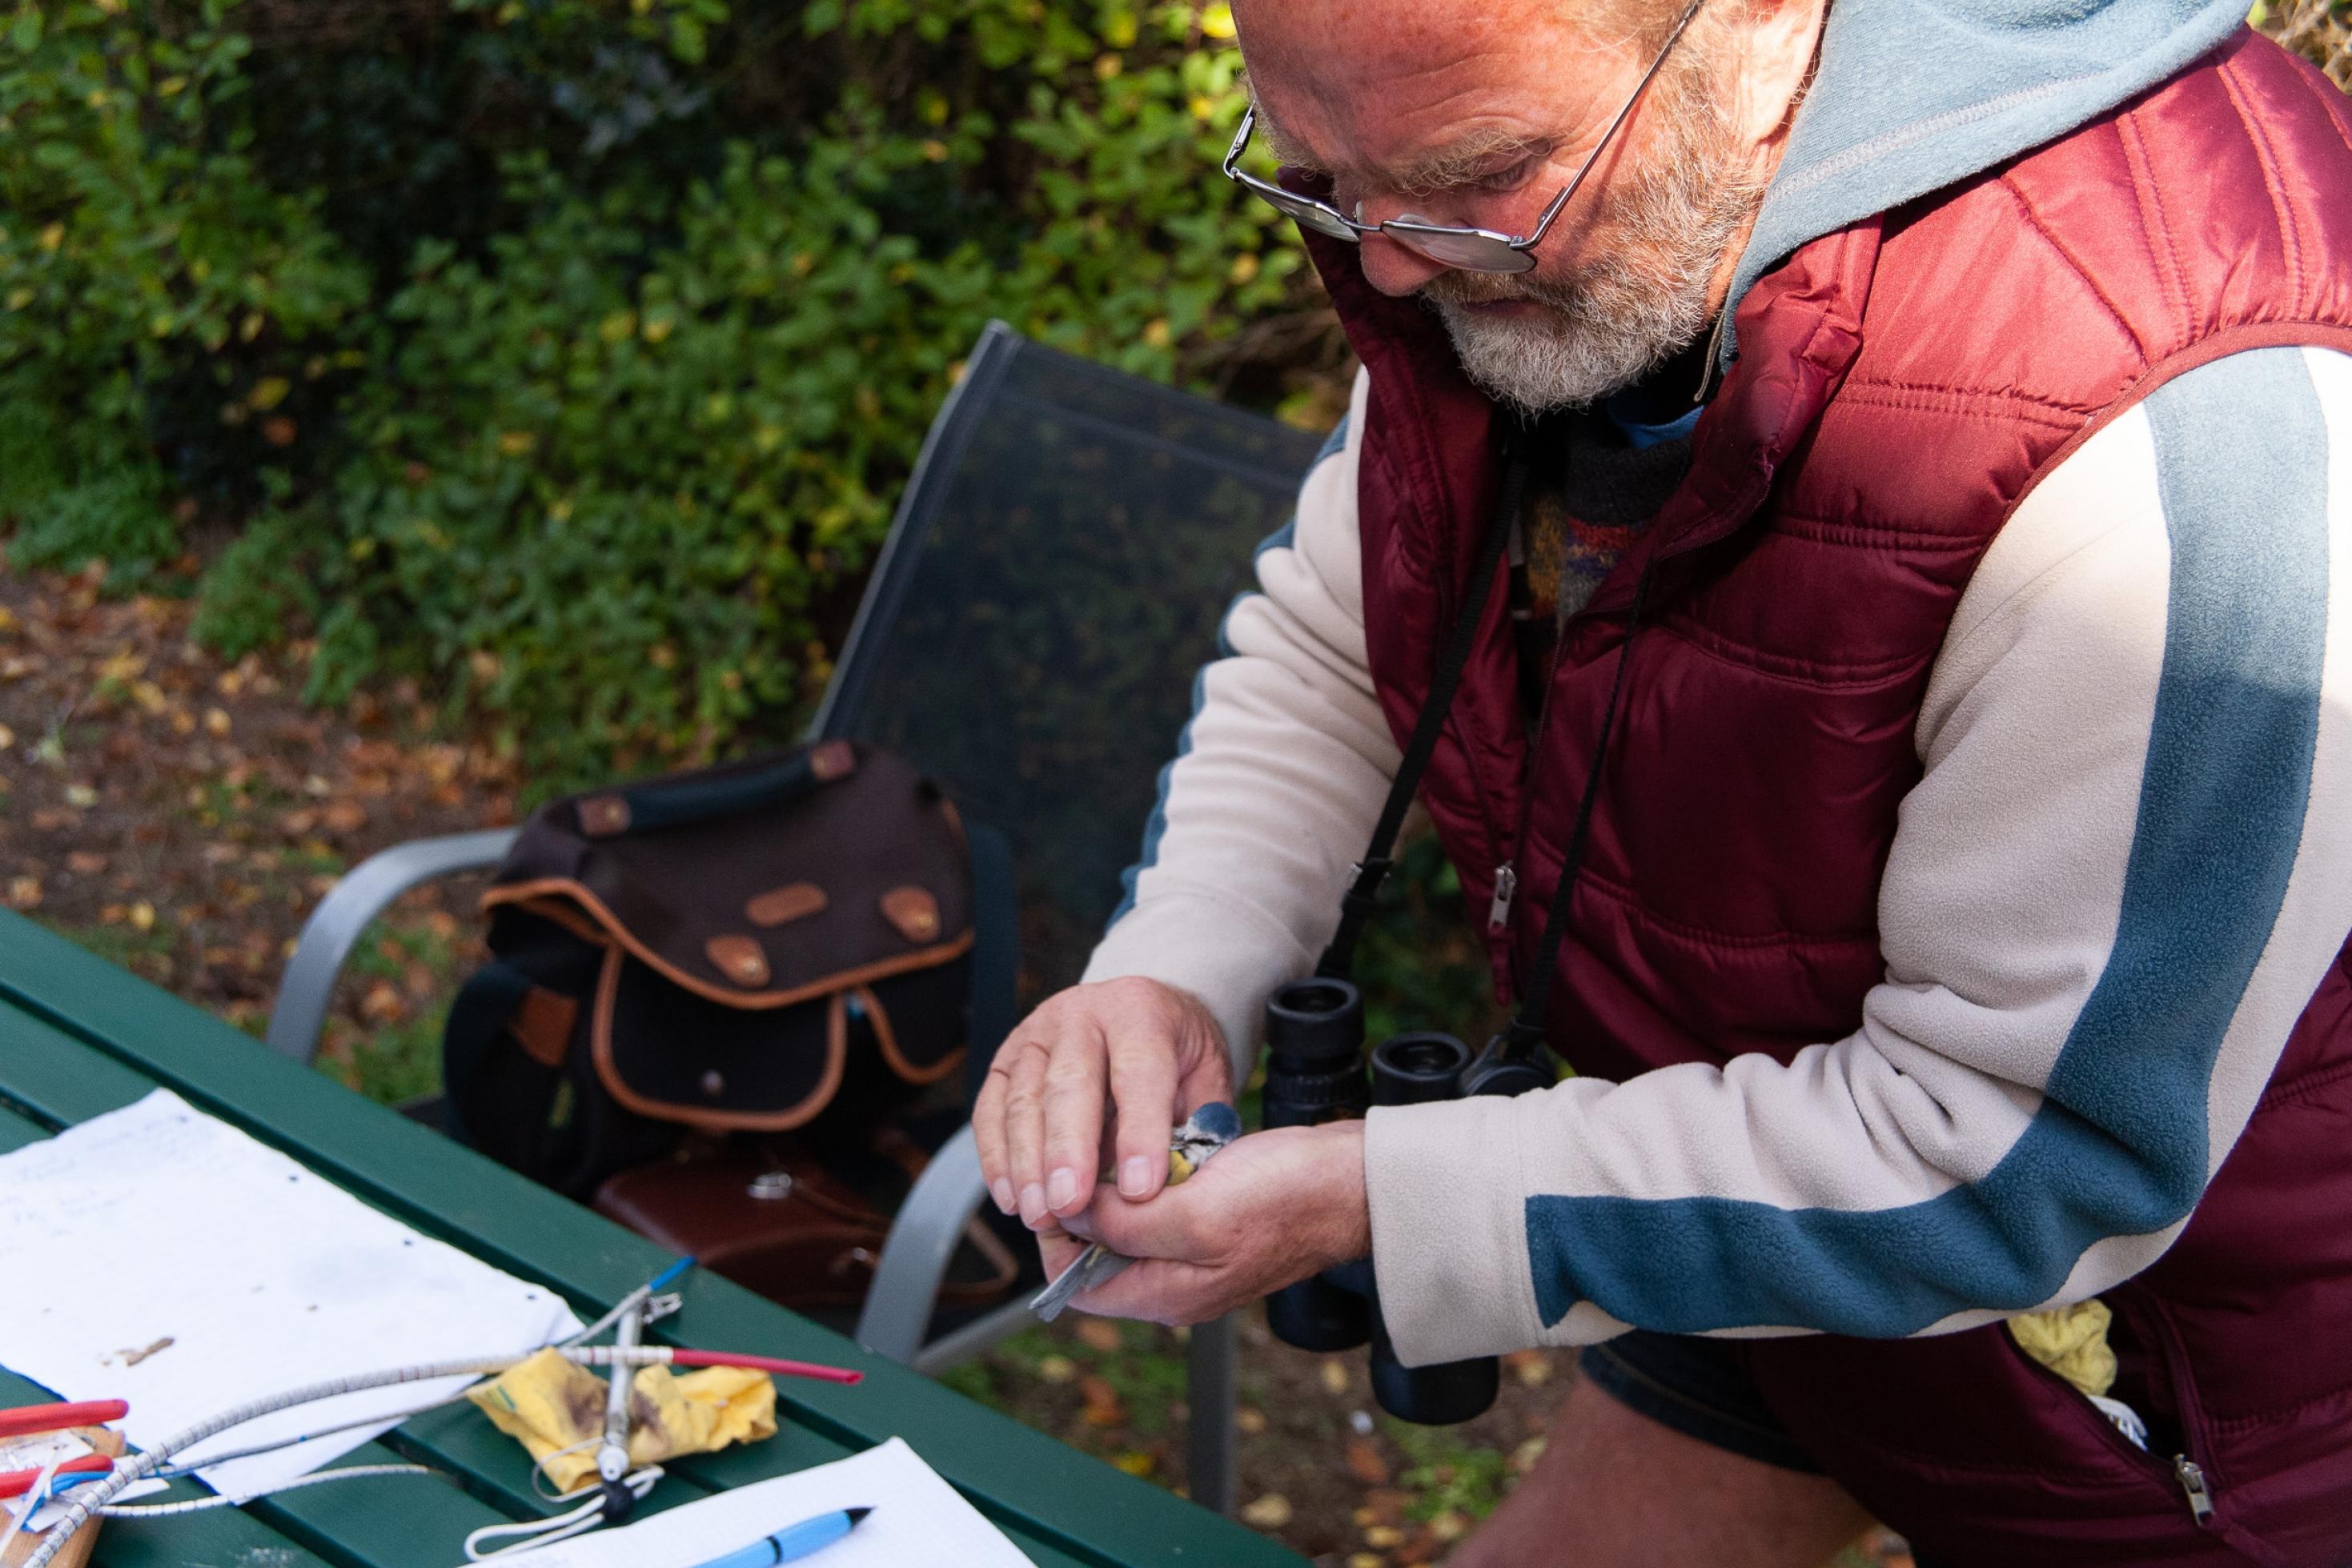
1901,385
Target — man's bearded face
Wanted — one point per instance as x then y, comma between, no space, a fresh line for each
1636,288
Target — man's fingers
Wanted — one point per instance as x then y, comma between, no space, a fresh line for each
1161,1292
988,1132
1074,1116
1024,1132
1172,1225
1143,1087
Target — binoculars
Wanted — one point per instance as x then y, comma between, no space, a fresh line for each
1317,1072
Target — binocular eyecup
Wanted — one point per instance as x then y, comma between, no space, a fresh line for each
1318,1071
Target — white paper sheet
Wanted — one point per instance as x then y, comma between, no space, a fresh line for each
919,1521
160,1256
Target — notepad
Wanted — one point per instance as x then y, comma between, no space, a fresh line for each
160,1256
918,1520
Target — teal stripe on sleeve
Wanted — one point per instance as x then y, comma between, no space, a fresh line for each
2120,1145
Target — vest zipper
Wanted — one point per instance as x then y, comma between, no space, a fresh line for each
2191,1476
1506,887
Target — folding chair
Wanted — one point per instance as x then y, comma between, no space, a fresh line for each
1065,547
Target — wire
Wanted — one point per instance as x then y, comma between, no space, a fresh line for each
564,1526
97,1496
198,1505
176,1471
636,1298
657,1308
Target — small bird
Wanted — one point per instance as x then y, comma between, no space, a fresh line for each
1206,1131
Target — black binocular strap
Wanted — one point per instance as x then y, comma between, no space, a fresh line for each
1526,1035
1356,904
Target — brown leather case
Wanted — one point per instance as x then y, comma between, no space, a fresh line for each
778,1224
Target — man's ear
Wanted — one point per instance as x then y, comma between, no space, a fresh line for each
1784,40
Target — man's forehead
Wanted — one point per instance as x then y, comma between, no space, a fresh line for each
1386,82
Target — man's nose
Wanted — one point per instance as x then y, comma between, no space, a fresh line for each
1390,266
1396,269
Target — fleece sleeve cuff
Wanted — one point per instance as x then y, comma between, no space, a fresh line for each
1449,1231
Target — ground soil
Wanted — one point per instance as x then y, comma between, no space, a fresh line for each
182,813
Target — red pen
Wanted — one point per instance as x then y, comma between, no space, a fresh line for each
34,1418
16,1483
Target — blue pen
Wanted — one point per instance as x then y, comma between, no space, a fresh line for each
791,1545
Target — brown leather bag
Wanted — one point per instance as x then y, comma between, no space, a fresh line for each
689,967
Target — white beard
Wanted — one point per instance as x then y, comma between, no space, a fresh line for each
1643,299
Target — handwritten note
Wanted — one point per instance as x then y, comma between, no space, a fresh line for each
160,1256
918,1518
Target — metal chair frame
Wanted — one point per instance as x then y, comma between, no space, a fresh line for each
924,1236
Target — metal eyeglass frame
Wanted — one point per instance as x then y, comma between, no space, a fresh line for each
1474,249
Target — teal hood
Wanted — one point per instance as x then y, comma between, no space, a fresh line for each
1915,94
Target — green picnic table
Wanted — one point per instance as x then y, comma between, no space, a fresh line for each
79,1037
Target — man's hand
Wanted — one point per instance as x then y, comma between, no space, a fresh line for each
1151,1052
1268,1211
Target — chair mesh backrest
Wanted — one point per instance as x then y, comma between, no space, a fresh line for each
1053,583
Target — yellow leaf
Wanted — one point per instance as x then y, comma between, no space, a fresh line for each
7,738
267,393
1119,29
19,297
1271,1511
1244,268
517,442
1107,66
620,324
1157,333
1135,1464
658,329
1217,21
142,915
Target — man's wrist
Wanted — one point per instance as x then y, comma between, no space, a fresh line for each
1343,1199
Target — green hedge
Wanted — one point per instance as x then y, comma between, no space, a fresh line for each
567,353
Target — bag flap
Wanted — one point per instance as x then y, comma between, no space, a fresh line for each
761,884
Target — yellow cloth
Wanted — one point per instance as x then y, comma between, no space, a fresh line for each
549,1403
2071,1341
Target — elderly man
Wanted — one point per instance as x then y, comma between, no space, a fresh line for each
1881,496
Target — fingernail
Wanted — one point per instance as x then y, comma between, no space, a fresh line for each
1001,1191
1061,1186
1032,1203
1134,1175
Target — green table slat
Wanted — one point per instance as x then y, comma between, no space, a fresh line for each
1062,1505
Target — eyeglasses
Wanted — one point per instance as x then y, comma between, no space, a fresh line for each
1468,250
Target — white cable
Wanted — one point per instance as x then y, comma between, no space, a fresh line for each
89,1500
562,1527
397,1418
199,1504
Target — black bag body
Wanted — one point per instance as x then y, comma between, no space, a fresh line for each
781,944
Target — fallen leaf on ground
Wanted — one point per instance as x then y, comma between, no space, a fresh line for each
1364,1462
1250,1419
1057,1368
1100,1334
1271,1511
1335,1378
1104,1408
